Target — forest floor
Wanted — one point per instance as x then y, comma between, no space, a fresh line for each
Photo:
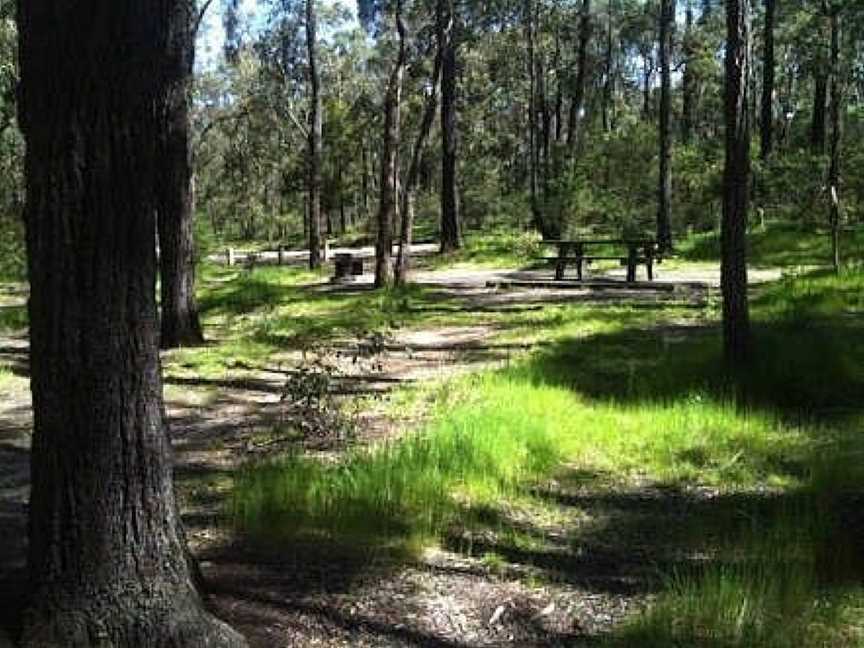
472,589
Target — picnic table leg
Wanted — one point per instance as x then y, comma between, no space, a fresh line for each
631,264
563,248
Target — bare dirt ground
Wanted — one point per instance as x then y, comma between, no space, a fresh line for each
454,596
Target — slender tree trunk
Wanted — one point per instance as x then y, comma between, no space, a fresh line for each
107,556
836,137
314,144
609,76
387,208
577,105
736,318
688,82
364,178
180,322
403,261
768,83
530,32
664,211
647,76
559,91
820,101
450,218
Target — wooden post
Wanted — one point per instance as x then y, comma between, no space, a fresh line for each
229,256
326,253
281,259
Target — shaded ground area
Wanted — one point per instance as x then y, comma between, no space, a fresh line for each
571,579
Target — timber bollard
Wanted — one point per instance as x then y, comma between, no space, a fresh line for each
229,256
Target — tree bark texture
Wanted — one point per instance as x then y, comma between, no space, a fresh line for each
736,319
314,138
577,104
451,238
664,210
180,321
768,66
406,231
387,207
107,556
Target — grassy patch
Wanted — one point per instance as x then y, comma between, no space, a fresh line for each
779,244
13,318
624,396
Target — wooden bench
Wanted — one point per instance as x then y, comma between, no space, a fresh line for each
638,252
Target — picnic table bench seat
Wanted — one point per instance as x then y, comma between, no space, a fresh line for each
638,252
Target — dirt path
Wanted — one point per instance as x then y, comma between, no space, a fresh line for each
472,591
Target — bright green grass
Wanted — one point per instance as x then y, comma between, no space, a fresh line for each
779,244
623,404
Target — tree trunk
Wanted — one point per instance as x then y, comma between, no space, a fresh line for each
107,555
389,162
836,135
533,158
768,83
736,318
180,322
820,101
403,261
577,106
664,211
688,82
609,77
314,144
451,238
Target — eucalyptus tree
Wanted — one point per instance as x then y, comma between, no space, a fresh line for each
448,39
375,15
107,556
180,321
664,207
736,181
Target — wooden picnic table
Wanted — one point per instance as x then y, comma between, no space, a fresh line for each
638,252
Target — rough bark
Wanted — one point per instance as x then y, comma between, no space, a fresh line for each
577,104
387,206
314,138
768,65
406,233
664,210
736,319
451,238
180,321
107,557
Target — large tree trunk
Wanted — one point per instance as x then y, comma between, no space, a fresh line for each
450,218
736,318
664,210
315,129
768,83
406,233
387,207
181,325
577,105
107,556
